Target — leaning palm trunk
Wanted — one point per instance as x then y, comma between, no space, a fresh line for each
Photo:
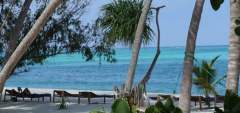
136,47
234,48
184,102
28,39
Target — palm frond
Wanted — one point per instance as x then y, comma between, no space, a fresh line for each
219,80
120,20
205,76
213,60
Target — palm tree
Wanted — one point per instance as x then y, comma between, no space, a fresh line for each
234,49
125,21
184,100
120,21
234,46
28,39
205,77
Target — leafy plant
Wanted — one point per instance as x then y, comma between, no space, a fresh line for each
159,107
216,4
63,103
237,29
231,103
119,106
205,77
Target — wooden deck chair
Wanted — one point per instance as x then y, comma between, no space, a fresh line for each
45,95
62,93
218,99
27,94
90,95
201,99
12,93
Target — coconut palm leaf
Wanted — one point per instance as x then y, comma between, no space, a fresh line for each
213,60
204,78
120,20
219,80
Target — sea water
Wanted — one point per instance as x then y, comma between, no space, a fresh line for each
71,71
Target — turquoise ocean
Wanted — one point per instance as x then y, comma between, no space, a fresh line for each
73,72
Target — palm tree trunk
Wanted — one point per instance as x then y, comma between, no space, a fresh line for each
28,39
136,47
16,31
234,48
185,95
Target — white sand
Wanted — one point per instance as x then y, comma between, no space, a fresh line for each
34,106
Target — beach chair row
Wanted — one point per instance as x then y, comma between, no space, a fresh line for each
196,99
14,95
79,95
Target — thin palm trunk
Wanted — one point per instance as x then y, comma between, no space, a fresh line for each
28,39
136,47
234,48
16,31
185,95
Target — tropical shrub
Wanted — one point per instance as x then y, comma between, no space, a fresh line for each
62,103
119,106
204,78
231,103
159,107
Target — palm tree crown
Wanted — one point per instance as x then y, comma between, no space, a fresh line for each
120,21
205,77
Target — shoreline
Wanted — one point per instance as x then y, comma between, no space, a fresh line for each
34,106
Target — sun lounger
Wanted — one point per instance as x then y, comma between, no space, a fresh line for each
201,100
218,99
46,95
12,93
90,95
62,93
27,94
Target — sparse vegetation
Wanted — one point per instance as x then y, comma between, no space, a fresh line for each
62,103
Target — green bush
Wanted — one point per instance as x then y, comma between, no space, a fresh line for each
231,103
159,107
119,106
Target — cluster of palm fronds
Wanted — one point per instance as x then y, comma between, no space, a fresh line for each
205,77
120,20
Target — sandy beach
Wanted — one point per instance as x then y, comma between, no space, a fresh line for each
35,106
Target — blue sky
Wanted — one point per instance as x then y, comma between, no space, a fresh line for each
175,18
